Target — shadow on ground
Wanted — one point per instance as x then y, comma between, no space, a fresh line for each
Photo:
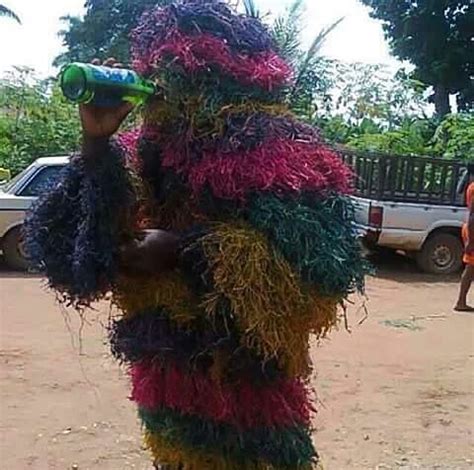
6,273
400,268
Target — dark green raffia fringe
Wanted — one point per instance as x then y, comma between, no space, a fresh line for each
316,237
288,448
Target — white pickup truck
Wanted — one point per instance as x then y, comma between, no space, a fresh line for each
16,198
411,204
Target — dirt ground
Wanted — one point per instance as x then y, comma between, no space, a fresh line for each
395,393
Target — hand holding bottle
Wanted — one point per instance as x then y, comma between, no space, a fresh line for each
100,122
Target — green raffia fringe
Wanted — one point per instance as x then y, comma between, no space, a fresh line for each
288,448
316,237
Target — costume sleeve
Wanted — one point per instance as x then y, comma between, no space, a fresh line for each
73,233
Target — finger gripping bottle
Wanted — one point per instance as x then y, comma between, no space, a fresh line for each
104,86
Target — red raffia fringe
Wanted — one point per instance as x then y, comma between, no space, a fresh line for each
277,165
129,142
245,405
198,53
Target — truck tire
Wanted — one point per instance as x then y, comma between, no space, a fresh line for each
13,251
441,254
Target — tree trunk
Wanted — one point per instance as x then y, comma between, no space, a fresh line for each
441,100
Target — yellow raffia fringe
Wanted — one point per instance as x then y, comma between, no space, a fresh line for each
192,459
169,291
208,123
253,107
274,312
249,107
160,111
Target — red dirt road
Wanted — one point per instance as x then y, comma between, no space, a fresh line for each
396,393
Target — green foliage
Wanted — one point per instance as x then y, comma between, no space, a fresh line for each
368,108
104,30
35,120
436,36
312,77
454,138
335,128
403,141
287,31
251,9
6,12
365,91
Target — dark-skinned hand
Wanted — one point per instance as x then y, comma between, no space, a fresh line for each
100,122
153,251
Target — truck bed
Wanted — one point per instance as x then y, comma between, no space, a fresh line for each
421,180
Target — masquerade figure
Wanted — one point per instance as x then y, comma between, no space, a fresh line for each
221,229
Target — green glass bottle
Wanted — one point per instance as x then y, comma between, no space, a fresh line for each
104,86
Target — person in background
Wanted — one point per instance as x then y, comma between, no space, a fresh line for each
468,237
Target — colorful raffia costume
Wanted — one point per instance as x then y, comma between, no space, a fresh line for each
218,350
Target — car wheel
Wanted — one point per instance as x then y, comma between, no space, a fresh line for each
13,250
441,254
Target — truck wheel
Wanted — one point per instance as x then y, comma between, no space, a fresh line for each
441,254
13,250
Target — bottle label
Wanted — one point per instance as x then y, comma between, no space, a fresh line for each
107,75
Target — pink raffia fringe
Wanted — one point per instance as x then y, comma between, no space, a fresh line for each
128,141
277,165
199,53
283,403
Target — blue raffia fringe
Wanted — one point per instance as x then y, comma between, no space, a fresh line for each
73,233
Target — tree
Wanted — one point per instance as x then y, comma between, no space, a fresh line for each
454,138
412,138
35,120
4,11
436,37
312,71
372,92
104,30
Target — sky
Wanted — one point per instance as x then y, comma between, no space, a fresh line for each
35,43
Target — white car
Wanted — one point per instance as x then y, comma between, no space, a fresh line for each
16,197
